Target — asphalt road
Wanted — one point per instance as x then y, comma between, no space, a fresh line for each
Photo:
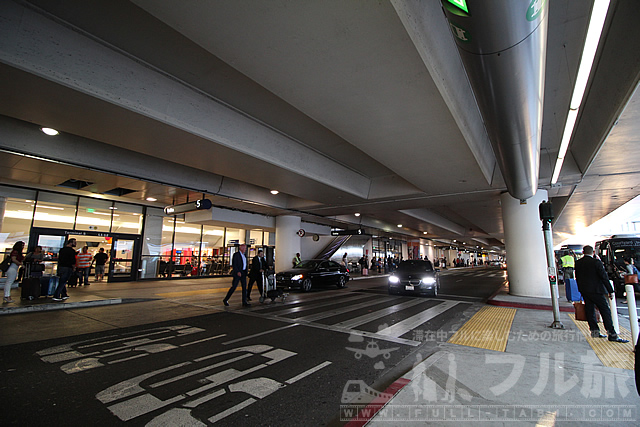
282,364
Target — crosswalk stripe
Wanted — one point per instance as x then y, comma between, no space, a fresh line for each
342,310
404,326
312,306
369,317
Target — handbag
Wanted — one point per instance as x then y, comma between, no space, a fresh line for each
581,313
630,279
37,268
5,264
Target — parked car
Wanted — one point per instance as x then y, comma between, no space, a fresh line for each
414,277
313,273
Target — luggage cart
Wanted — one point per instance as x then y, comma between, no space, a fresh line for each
269,290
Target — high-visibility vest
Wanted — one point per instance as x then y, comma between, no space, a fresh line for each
568,261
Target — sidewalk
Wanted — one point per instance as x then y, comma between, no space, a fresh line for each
538,376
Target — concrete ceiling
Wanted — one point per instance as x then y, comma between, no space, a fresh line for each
343,106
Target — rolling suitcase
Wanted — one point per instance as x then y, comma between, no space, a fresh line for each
30,288
571,290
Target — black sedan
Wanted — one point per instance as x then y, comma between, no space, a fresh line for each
414,277
313,272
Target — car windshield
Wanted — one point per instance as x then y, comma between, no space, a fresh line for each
415,266
308,264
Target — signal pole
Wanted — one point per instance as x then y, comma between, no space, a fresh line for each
546,216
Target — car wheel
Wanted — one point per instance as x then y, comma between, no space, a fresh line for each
306,285
341,282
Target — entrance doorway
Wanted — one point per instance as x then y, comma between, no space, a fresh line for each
123,250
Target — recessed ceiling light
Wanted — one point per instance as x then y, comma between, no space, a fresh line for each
49,131
357,214
399,225
274,192
424,232
151,199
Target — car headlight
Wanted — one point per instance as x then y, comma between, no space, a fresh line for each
428,280
393,279
297,277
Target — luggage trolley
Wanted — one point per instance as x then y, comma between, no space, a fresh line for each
269,290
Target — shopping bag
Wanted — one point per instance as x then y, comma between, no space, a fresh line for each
631,279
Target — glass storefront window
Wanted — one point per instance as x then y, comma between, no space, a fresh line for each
186,248
127,218
212,261
94,215
55,211
18,212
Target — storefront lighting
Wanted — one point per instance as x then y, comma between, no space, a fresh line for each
49,131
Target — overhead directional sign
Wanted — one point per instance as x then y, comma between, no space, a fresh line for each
462,4
188,207
357,232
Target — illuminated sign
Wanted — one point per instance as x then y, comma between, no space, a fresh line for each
188,207
461,4
358,232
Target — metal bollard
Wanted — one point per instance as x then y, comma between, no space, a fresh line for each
614,313
633,314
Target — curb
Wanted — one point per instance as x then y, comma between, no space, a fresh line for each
59,306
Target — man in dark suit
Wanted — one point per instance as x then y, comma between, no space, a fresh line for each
239,273
258,267
594,285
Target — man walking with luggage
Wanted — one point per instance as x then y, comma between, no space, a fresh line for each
256,273
594,285
66,265
239,273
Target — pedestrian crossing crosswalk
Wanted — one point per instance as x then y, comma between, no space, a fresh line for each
389,318
474,273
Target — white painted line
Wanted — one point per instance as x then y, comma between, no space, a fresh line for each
370,317
203,340
404,326
198,371
337,311
232,410
259,334
206,398
307,372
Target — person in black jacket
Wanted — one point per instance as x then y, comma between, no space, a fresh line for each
258,267
594,285
66,267
239,273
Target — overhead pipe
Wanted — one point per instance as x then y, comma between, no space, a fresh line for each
502,44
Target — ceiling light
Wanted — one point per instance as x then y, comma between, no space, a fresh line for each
357,214
49,131
274,192
596,24
399,225
151,199
424,232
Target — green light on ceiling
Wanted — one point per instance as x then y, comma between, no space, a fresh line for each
462,4
90,210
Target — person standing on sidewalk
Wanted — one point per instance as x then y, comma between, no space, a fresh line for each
593,284
66,266
83,266
16,258
239,273
256,273
101,259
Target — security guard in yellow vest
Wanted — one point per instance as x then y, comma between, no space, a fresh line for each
568,264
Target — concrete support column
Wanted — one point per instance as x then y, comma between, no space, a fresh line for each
3,203
287,241
524,243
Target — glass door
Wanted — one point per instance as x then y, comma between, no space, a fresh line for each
122,260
